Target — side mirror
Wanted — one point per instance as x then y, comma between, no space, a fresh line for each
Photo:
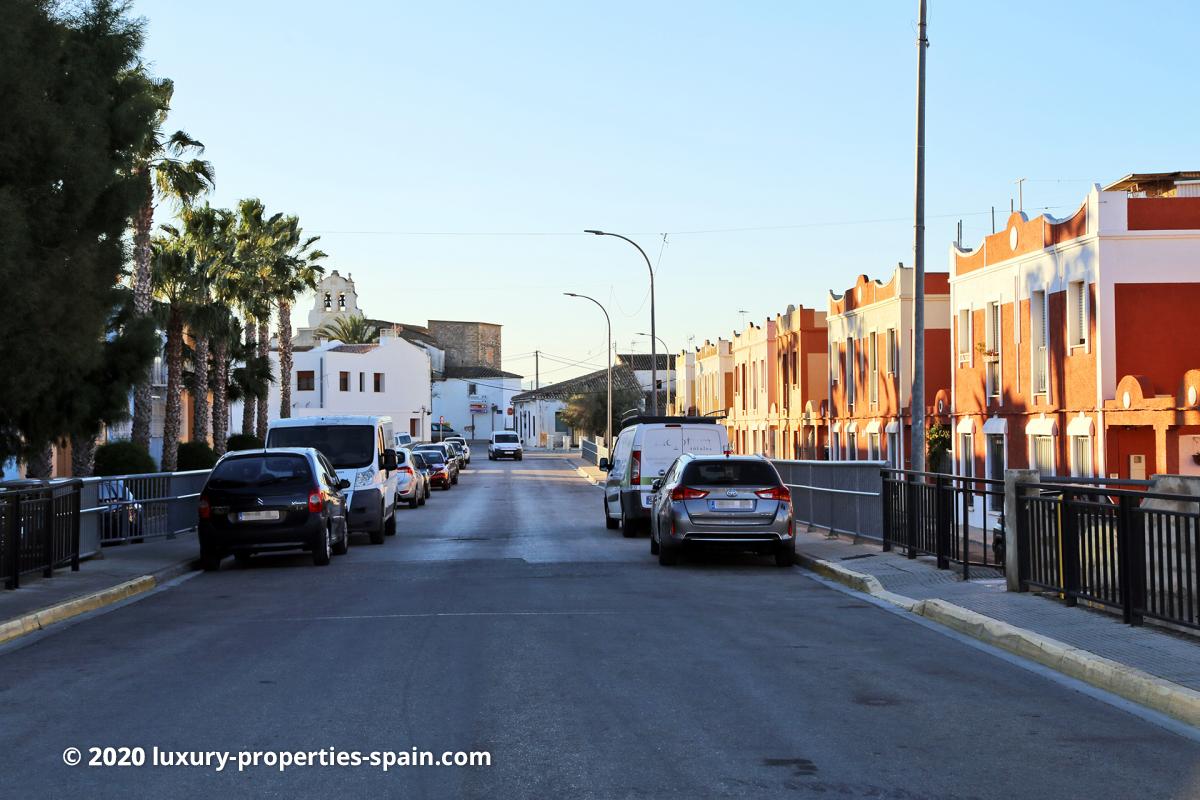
389,459
604,465
654,487
343,484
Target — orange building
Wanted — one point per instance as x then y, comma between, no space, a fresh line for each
754,384
1075,346
870,365
801,389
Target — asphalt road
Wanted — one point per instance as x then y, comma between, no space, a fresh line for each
503,617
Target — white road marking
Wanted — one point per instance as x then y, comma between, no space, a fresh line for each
452,614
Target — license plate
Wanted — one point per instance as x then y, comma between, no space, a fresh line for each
257,516
731,505
647,500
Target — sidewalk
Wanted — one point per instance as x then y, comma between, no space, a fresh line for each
122,571
1028,624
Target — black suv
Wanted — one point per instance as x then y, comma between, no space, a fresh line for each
283,498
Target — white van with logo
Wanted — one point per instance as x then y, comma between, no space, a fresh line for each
361,449
644,450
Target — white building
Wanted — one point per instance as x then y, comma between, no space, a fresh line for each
391,377
538,412
476,401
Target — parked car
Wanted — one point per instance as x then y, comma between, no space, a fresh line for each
440,431
403,440
355,445
461,440
644,450
504,444
282,498
737,502
459,452
448,455
440,469
422,466
410,482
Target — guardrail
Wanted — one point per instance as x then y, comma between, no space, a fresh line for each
1124,548
123,508
39,528
951,517
592,451
837,495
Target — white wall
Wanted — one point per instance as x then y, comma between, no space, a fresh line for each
536,417
453,399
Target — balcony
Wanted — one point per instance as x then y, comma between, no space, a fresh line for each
1041,382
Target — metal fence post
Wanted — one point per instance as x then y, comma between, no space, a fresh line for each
14,542
76,508
910,514
1016,551
941,524
1131,570
49,517
886,494
1068,548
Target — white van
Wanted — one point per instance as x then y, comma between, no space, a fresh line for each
361,450
644,450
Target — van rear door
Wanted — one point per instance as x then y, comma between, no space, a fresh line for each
660,447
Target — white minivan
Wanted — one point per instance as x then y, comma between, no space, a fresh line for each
360,449
644,450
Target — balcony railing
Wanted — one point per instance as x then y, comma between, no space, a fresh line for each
1040,378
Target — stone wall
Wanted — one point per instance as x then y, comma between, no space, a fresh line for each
468,344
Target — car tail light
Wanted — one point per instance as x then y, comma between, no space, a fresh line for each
776,493
407,471
635,467
687,493
204,508
315,501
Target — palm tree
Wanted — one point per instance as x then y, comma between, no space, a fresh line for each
174,275
170,168
349,330
297,271
255,256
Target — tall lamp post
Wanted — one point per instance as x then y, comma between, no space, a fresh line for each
653,346
670,375
608,347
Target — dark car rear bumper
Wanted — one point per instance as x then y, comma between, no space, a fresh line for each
249,537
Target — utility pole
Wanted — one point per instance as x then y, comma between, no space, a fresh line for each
917,400
537,381
1020,193
609,348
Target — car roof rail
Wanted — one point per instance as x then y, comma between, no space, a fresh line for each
642,419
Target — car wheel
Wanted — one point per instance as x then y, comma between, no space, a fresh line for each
323,550
416,501
389,527
210,559
629,527
655,547
343,544
668,556
785,557
609,522
454,480
518,458
242,559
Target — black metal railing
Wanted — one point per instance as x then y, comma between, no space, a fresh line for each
954,518
1123,548
39,528
132,508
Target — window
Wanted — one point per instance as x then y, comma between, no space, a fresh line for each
852,446
470,388
893,440
992,344
964,336
379,381
873,453
835,450
343,381
306,380
873,370
1077,314
850,369
893,354
834,363
1041,450
1039,336
966,463
1081,456
362,381
995,466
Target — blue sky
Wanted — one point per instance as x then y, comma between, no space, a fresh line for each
383,123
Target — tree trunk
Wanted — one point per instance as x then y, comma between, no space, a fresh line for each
200,389
40,463
220,403
143,400
248,400
285,358
171,425
264,405
83,456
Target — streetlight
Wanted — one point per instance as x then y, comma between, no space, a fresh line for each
653,346
669,373
608,347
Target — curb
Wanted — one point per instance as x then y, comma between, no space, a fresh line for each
43,618
581,472
1178,702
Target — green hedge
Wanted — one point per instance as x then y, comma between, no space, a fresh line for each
243,441
123,458
195,455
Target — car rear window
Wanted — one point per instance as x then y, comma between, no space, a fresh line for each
433,457
728,472
248,472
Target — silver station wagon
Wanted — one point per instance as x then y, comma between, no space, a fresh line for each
738,502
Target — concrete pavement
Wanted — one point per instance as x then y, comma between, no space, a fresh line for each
505,617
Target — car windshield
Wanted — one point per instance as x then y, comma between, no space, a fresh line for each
418,460
276,471
346,446
506,438
729,472
434,459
